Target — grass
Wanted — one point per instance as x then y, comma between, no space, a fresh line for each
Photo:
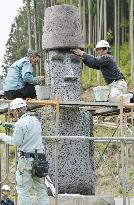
109,172
2,119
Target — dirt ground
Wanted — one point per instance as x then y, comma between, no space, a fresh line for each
87,95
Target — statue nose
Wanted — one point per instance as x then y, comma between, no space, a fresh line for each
69,74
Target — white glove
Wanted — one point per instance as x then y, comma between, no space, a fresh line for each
41,77
7,139
2,136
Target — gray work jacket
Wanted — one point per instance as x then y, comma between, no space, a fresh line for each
26,135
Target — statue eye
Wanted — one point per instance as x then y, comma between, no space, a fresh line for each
57,58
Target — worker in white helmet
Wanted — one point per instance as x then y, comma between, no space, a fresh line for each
109,68
5,193
28,140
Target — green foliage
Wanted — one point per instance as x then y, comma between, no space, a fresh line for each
120,191
130,172
124,23
113,146
2,119
101,132
109,36
93,8
85,78
16,46
74,2
91,46
17,43
12,151
125,62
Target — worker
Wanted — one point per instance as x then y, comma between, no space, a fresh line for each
28,140
5,192
109,68
20,81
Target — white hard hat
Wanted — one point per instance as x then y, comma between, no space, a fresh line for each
17,103
5,187
102,44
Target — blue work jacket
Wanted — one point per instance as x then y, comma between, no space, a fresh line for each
19,73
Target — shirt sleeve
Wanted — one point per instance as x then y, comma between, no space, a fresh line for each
18,135
27,74
17,138
28,78
95,62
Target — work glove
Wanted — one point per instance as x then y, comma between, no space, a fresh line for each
41,80
8,125
2,136
5,138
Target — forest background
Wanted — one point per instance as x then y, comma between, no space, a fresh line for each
112,20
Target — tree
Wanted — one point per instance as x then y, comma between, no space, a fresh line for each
132,38
101,19
16,45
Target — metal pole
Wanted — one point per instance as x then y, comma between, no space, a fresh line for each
122,153
56,173
96,139
0,173
46,118
56,151
132,122
7,146
123,173
35,34
16,199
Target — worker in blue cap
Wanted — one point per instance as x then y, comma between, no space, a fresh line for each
5,193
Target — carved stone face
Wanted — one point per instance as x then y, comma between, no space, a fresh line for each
63,72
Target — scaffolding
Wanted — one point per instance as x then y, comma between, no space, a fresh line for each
122,110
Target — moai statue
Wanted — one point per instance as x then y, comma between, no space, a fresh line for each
62,31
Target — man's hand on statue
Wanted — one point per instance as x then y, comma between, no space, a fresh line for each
41,77
78,52
41,80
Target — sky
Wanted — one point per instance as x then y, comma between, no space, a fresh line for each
8,12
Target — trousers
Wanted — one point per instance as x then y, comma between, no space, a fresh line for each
118,89
25,181
27,92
